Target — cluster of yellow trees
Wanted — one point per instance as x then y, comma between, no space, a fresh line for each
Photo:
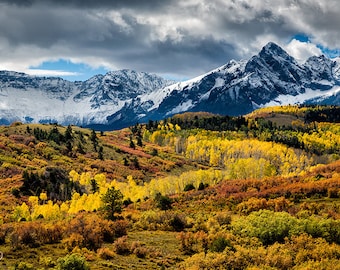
38,207
242,159
326,138
291,109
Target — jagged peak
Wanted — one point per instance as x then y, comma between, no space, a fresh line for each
129,72
320,59
271,45
272,49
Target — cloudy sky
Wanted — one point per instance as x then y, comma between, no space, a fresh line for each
173,38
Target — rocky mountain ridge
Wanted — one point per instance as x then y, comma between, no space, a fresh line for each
122,98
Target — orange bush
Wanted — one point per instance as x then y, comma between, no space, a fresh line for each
121,246
94,230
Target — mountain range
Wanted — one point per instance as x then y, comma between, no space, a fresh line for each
122,98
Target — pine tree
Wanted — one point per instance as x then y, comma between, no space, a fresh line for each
132,144
112,203
68,134
100,153
139,141
136,163
94,139
94,186
126,162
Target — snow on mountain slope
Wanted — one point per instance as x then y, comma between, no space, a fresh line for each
121,98
336,69
38,99
305,97
270,78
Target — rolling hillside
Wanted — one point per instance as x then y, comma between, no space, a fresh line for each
196,191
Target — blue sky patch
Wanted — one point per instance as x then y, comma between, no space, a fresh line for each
69,70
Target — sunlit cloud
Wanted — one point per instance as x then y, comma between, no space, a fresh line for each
301,51
53,73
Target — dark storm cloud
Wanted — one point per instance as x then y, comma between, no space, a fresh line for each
88,4
177,37
169,55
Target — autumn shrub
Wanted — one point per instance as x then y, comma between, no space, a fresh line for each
187,243
113,229
212,225
324,264
47,262
333,193
278,256
72,262
206,261
178,223
51,233
5,230
199,223
223,218
90,231
23,266
26,234
279,204
73,240
94,231
219,244
255,204
327,229
268,226
105,253
139,250
147,221
311,208
121,246
296,252
197,242
34,234
157,220
119,227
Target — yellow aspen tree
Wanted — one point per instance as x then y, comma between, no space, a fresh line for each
74,176
21,212
101,180
85,178
43,197
33,200
64,207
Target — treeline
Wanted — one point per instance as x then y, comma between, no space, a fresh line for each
52,180
215,122
310,114
323,114
72,141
